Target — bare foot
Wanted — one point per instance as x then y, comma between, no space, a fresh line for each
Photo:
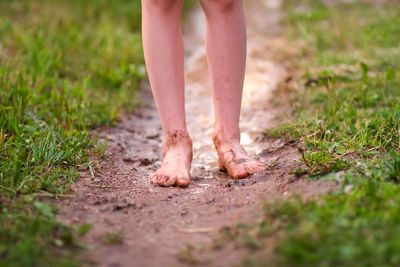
235,160
177,153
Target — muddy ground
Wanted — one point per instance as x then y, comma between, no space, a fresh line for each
138,224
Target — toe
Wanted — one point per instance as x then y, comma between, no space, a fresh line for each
239,173
161,180
154,179
170,181
260,167
166,181
257,167
183,182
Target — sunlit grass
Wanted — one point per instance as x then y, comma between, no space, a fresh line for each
346,113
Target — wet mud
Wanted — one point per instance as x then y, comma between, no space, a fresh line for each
155,224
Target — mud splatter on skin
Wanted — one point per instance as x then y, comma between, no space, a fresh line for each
173,138
242,160
235,161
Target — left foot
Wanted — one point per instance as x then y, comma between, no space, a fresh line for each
235,160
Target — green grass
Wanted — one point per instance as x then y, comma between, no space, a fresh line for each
65,67
346,112
350,83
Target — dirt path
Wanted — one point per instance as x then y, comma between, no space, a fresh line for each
154,223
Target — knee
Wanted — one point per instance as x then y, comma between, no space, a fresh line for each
220,6
163,6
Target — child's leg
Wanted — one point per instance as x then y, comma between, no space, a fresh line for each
163,50
226,51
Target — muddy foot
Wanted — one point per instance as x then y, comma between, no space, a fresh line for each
177,153
235,160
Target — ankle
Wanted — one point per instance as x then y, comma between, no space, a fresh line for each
176,139
222,141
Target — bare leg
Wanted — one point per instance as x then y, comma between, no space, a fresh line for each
163,50
226,51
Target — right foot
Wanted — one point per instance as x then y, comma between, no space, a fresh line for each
175,168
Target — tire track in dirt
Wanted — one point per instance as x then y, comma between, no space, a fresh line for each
154,223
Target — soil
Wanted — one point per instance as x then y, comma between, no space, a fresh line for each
138,224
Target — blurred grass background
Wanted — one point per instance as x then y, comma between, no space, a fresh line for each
65,67
347,113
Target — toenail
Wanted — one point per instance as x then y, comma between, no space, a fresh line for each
183,182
